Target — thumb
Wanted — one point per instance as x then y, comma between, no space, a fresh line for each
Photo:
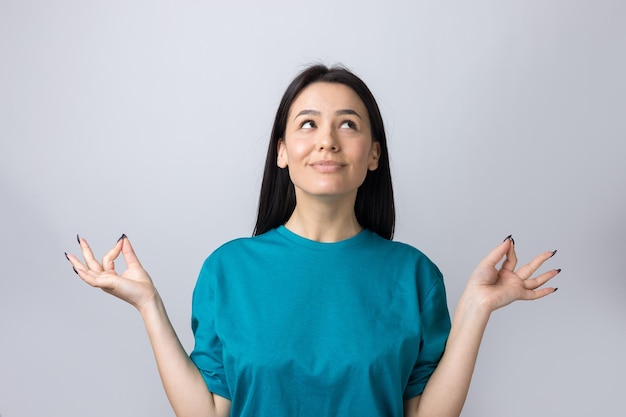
129,254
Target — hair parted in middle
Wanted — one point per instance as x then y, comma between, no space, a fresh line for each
374,206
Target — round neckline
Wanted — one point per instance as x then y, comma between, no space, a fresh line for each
314,244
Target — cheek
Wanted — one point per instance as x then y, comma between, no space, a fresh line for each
365,153
297,150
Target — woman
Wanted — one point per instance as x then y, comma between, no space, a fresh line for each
320,313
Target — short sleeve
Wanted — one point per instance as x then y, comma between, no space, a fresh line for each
207,352
435,327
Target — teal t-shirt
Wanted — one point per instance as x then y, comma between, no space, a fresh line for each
286,326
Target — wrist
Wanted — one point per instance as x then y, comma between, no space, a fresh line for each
473,307
154,305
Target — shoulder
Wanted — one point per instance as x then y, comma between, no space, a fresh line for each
239,256
407,260
400,249
243,246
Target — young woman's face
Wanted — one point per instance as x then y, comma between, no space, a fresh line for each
328,145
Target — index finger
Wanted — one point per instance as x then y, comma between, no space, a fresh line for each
497,253
510,261
108,261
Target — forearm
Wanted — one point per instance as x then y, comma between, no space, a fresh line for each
183,383
446,390
489,288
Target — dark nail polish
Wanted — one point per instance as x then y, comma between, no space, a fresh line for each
78,238
555,289
509,237
67,257
75,270
558,271
122,237
553,253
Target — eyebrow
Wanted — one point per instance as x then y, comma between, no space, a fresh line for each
317,113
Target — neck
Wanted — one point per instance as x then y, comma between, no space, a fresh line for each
324,220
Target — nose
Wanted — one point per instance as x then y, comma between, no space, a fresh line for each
328,140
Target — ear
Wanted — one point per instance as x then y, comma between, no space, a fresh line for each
281,160
374,156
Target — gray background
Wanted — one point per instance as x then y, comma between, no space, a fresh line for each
151,118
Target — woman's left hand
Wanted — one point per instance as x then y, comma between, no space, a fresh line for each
494,288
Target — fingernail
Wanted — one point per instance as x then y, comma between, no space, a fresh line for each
555,289
78,238
553,253
75,270
558,271
509,237
122,237
66,257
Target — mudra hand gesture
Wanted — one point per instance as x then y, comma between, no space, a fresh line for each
488,286
133,285
493,288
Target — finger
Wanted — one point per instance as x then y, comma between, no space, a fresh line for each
537,282
90,260
529,269
101,280
76,263
537,294
129,254
496,255
108,261
510,261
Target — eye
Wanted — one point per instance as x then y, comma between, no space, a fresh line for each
348,124
307,124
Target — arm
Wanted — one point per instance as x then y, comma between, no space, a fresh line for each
487,290
183,383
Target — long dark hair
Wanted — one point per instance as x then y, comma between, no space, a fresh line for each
374,206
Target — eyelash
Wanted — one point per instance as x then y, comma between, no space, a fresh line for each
350,123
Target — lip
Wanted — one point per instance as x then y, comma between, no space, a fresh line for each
327,165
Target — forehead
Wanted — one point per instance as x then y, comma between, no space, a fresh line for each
328,96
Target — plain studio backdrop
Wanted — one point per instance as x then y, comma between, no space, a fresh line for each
151,118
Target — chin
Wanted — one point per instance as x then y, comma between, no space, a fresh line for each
327,192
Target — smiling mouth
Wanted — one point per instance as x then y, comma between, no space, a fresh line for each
327,166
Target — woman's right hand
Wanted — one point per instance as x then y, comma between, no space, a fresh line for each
133,285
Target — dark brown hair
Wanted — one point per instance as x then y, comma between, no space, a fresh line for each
374,205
